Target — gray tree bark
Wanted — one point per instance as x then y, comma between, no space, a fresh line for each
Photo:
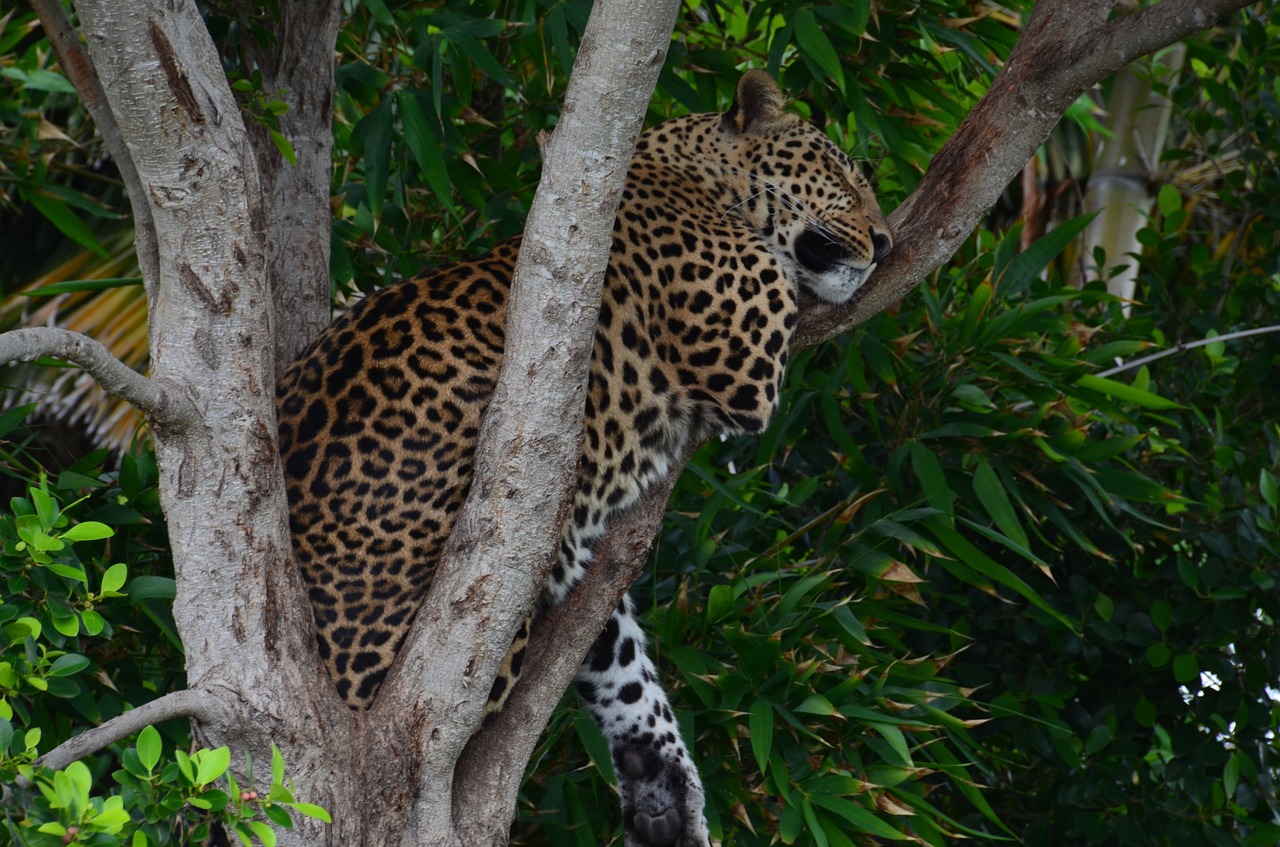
228,262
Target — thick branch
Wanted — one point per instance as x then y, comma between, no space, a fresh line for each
1066,48
79,69
163,408
493,764
205,706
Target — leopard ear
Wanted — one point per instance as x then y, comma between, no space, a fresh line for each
757,104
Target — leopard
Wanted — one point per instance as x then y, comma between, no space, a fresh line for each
726,221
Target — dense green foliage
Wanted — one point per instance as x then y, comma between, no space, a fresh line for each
966,586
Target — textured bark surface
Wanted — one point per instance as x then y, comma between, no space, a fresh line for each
297,67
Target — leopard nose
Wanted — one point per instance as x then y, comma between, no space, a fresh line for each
881,244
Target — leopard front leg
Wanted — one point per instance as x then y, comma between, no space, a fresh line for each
662,797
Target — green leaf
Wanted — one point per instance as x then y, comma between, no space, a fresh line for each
67,665
68,626
263,833
988,567
1169,199
76,286
114,578
1030,263
151,588
93,622
61,216
816,704
719,603
311,810
1104,607
1126,393
1231,776
932,478
1268,488
149,748
376,130
761,725
88,531
817,48
994,498
816,830
1186,668
213,764
862,819
284,145
427,148
277,766
39,79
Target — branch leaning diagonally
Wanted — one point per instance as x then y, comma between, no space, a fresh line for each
1066,47
79,69
163,408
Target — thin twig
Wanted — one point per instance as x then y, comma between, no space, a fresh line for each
162,408
204,706
1181,348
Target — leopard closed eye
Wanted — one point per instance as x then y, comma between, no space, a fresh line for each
725,218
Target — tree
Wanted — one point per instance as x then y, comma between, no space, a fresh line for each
1064,48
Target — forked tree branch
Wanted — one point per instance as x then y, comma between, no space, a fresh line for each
79,69
162,408
1066,47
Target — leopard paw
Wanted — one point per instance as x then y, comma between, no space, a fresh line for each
662,798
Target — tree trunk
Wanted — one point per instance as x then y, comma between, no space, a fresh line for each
228,258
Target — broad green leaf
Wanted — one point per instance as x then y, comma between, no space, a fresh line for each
94,623
88,531
277,766
264,833
1268,488
149,748
375,128
213,764
114,578
1186,668
67,665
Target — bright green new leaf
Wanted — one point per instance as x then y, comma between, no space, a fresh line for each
88,531
213,764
